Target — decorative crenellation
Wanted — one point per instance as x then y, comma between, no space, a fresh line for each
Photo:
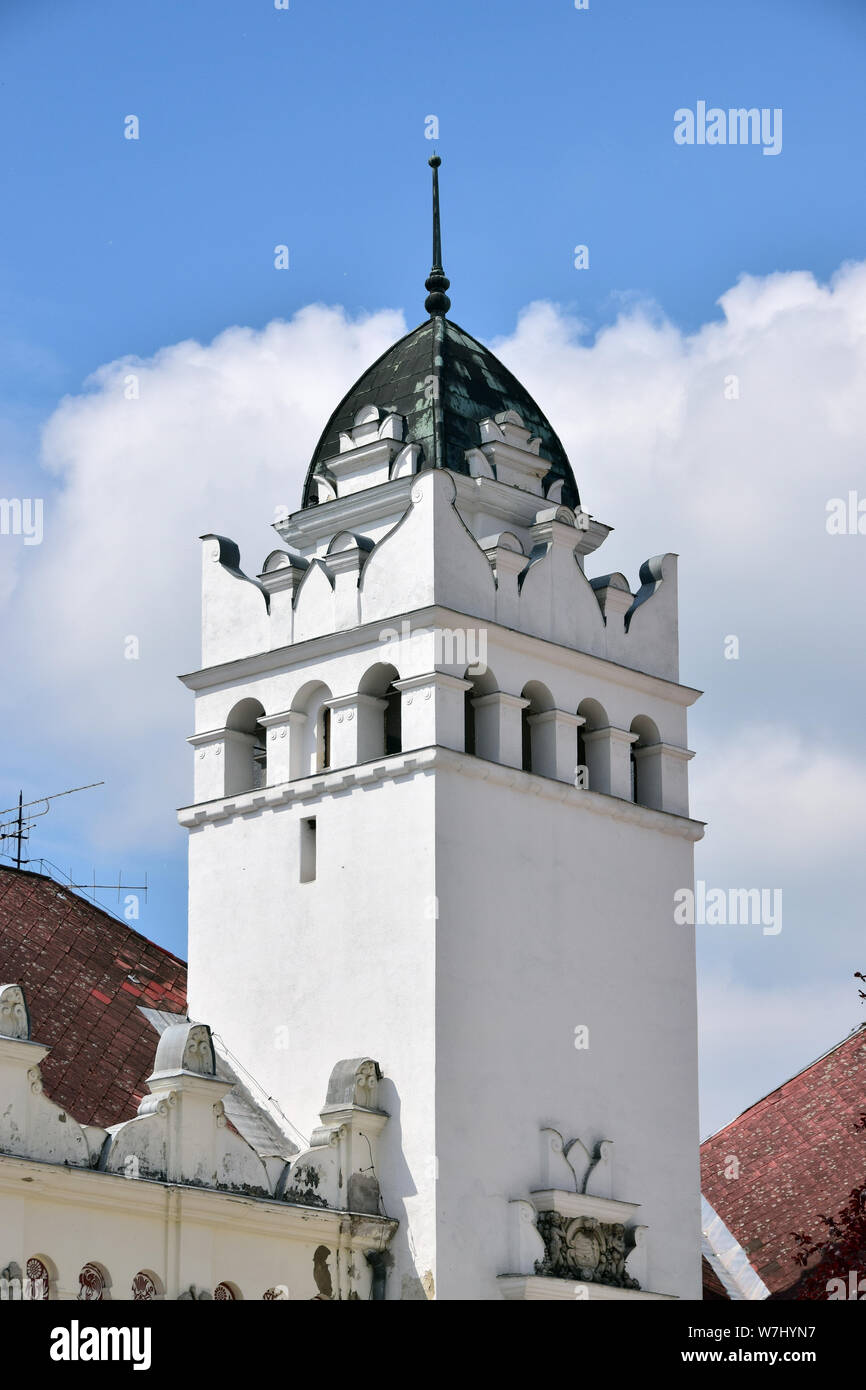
396,539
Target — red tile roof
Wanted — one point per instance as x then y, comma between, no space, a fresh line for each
798,1155
85,974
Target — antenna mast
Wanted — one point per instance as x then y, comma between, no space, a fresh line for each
18,829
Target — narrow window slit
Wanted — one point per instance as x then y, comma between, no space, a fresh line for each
308,850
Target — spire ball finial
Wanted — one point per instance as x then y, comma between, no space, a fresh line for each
437,282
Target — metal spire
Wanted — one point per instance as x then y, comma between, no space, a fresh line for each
437,282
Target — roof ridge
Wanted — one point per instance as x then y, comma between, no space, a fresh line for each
858,1028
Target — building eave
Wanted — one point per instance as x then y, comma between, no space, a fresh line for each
328,644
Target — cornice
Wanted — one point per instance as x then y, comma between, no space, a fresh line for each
424,762
328,644
536,1287
92,1189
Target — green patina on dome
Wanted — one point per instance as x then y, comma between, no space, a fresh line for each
444,383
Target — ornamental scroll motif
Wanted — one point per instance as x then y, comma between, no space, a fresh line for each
91,1284
584,1248
143,1288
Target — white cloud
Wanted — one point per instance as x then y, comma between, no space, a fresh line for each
773,795
221,434
219,437
659,451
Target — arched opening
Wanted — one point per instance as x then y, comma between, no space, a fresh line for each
540,700
323,739
644,775
591,773
380,727
393,720
480,726
311,748
469,739
226,1292
246,754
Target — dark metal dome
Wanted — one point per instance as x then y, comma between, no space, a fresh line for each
444,383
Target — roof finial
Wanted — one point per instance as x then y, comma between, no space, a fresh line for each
437,282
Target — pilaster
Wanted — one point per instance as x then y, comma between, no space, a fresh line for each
433,710
609,762
498,731
357,729
554,743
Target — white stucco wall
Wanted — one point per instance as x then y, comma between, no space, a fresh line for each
555,909
553,914
345,964
70,1217
552,911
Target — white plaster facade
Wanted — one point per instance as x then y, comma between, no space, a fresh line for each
468,913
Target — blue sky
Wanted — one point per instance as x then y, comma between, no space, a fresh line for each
306,127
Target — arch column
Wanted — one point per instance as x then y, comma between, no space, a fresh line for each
498,732
223,763
554,743
297,721
432,710
609,761
357,728
664,779
282,732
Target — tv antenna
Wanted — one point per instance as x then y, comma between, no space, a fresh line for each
18,829
23,819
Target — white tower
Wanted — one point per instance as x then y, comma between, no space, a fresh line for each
440,817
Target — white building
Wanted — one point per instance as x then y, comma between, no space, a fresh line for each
440,813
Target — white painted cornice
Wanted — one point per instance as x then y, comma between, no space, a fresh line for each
353,512
537,1287
88,1189
424,762
302,654
571,1204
